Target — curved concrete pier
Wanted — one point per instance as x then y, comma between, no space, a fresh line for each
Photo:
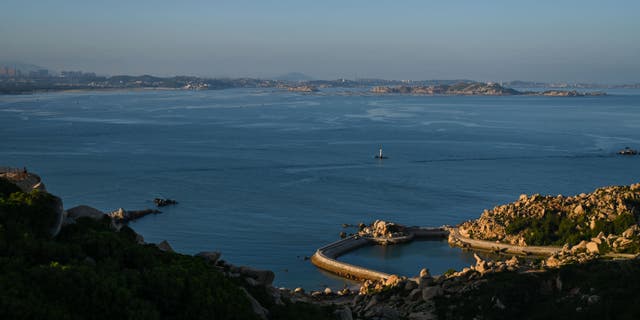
325,257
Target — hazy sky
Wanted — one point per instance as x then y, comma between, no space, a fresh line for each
591,41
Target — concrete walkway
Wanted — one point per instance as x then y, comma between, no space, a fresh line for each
466,242
454,234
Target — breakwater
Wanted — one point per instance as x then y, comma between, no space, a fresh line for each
326,257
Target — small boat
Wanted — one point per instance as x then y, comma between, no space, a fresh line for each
380,155
628,152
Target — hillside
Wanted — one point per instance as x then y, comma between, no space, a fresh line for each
94,269
607,217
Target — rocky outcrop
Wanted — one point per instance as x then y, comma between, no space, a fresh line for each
160,202
607,217
123,216
82,211
165,246
25,180
383,229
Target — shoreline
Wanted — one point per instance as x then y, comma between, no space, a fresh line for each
556,93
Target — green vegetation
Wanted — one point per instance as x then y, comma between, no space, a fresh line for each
89,271
558,229
26,215
450,271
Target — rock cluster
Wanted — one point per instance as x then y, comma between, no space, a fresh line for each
382,229
402,298
398,298
122,216
587,212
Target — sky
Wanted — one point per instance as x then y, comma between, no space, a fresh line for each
561,40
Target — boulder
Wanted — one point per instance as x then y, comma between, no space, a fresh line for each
119,214
513,262
264,277
425,282
580,247
414,294
211,256
165,246
84,211
592,247
552,262
429,293
410,285
629,233
392,281
424,273
482,267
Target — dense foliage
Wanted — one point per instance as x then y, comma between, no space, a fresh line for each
89,271
558,229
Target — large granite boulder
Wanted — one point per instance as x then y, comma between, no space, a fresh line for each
84,211
263,277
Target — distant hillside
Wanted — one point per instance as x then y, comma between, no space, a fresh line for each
462,88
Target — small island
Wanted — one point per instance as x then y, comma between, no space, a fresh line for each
475,89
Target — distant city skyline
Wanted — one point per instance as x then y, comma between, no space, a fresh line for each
551,41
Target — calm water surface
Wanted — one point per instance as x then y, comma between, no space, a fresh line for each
266,176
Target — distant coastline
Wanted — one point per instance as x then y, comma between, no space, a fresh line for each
30,84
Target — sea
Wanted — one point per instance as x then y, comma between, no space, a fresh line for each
267,176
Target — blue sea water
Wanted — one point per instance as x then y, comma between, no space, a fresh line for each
268,176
